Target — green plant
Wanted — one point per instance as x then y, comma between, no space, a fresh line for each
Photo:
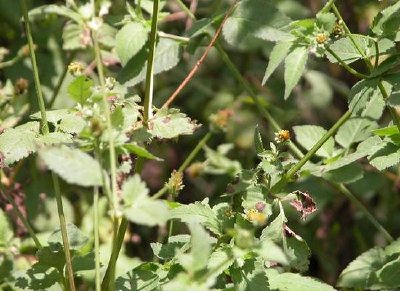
100,140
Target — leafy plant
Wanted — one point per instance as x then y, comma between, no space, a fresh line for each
91,141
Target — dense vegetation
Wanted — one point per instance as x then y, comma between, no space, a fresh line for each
199,145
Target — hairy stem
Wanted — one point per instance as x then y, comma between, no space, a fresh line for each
45,130
108,281
64,232
96,238
39,94
21,217
148,94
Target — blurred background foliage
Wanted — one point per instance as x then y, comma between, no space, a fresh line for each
336,233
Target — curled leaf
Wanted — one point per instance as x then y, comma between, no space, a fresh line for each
303,204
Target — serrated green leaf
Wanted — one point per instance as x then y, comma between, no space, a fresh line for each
326,22
346,174
278,54
387,21
359,271
139,207
200,251
73,165
54,138
73,124
80,89
53,116
387,156
200,212
19,142
354,130
73,36
141,278
296,282
274,231
250,277
167,56
389,274
308,135
295,63
170,123
364,94
77,239
255,18
177,243
298,254
130,39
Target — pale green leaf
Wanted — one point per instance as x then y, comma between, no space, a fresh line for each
141,278
76,238
80,89
139,207
295,64
170,123
130,39
19,142
358,272
354,130
278,54
255,18
73,165
200,212
308,135
387,21
389,274
167,56
296,282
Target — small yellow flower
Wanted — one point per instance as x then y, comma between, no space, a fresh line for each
282,136
321,38
255,216
75,68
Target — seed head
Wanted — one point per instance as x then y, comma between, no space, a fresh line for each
75,68
253,215
321,38
175,183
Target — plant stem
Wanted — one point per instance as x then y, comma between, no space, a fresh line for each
201,60
45,130
11,62
246,86
296,151
361,206
43,121
148,96
21,217
64,232
346,66
187,161
108,281
96,237
61,80
384,93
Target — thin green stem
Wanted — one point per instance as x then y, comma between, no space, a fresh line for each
346,66
45,130
181,39
148,95
44,125
187,161
96,238
11,62
185,9
246,86
343,189
108,281
60,80
295,150
64,232
289,175
21,217
393,113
